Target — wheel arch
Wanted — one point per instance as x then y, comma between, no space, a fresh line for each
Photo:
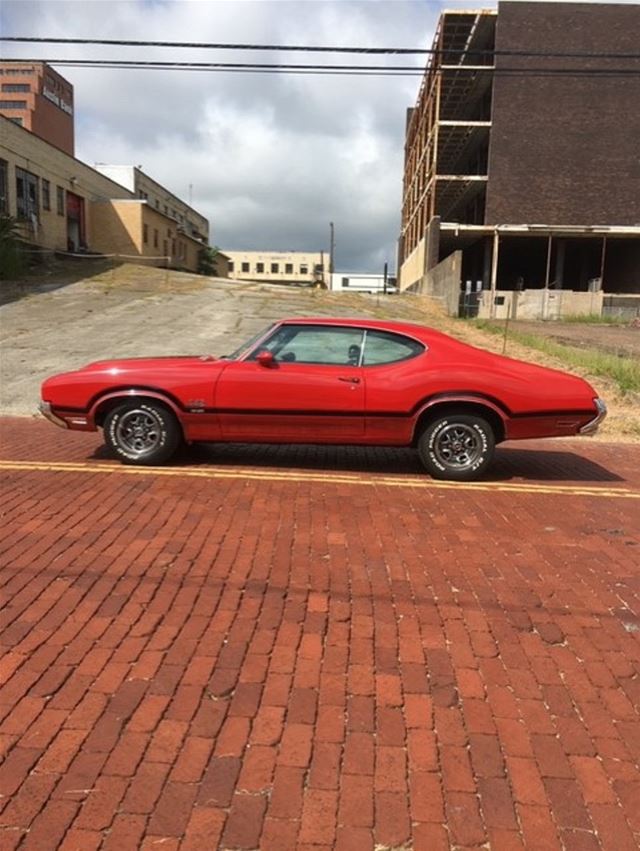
480,406
101,406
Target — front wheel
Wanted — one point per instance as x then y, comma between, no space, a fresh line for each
142,432
457,447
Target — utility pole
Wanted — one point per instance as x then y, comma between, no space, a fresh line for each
332,246
386,277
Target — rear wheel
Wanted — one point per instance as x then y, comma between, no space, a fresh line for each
457,446
142,432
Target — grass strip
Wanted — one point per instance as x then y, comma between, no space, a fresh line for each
624,370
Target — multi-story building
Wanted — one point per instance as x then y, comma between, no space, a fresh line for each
279,267
187,220
522,155
36,97
62,204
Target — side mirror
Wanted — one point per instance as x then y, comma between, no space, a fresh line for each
265,358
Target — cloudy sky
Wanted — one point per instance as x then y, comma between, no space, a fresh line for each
272,158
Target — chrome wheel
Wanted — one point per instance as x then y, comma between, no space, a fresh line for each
458,446
139,431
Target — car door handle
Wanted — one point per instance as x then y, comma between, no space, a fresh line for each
349,380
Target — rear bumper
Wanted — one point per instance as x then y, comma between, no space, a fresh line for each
45,410
592,426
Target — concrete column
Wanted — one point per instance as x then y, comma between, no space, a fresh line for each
494,271
486,266
559,273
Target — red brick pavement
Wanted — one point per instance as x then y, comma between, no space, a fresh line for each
318,662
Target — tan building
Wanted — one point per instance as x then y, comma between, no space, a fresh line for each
36,97
188,220
278,267
63,204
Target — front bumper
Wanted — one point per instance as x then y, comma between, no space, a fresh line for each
45,410
592,426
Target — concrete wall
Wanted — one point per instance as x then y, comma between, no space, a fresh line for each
540,304
563,148
412,270
443,282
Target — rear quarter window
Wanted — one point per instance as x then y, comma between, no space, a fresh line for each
386,347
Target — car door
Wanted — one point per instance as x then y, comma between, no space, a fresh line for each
311,390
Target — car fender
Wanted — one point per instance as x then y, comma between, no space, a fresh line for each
128,394
460,398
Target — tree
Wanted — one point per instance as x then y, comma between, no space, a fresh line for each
207,260
12,260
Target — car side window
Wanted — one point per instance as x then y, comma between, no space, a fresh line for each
384,347
314,344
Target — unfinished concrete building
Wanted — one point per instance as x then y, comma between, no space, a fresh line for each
522,163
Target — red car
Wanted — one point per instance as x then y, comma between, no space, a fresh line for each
343,381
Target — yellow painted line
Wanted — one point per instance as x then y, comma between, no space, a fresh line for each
326,478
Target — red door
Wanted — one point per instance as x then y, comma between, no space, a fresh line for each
312,391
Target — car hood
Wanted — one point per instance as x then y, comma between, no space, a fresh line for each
150,363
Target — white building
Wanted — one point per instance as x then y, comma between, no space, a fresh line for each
345,281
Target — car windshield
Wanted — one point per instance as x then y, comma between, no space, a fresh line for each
248,344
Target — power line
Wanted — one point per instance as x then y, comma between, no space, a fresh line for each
326,70
319,48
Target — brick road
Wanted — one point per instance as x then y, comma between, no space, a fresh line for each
318,649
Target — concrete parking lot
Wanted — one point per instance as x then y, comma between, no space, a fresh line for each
318,648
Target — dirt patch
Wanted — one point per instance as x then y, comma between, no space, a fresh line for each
623,340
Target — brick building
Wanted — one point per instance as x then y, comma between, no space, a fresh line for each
36,97
522,168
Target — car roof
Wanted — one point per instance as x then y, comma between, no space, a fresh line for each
412,329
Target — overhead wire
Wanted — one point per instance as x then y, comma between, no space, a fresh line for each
345,70
319,48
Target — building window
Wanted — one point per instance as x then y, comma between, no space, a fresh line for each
157,204
288,268
259,267
60,200
155,237
345,282
165,247
275,268
145,234
173,248
46,194
245,267
4,187
231,265
26,194
166,210
169,232
13,104
16,72
304,270
16,87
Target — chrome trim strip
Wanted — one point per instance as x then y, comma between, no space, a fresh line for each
592,426
45,410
